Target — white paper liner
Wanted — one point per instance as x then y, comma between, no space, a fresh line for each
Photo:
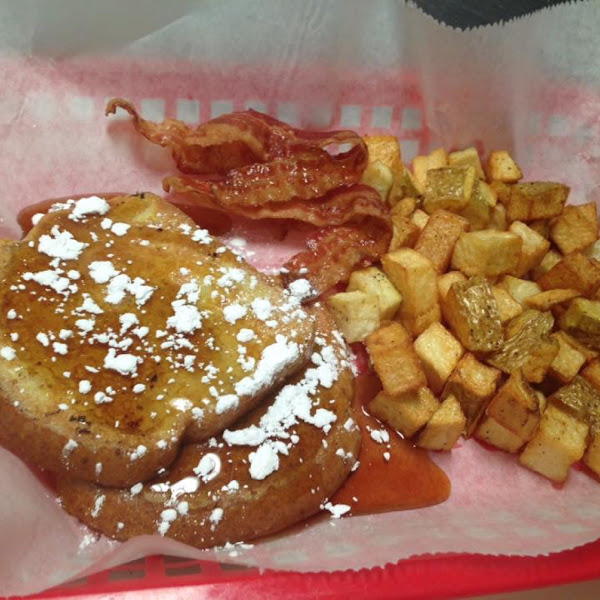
532,85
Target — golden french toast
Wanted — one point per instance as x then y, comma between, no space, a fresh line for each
126,330
275,467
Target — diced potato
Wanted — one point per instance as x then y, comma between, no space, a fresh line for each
448,188
528,346
580,398
576,228
404,207
379,176
536,200
487,253
533,250
439,352
473,384
516,407
582,321
567,362
558,443
519,289
446,280
501,190
439,236
508,307
444,428
415,278
467,157
493,433
498,219
592,457
502,167
406,413
593,251
405,233
394,359
405,185
385,149
546,300
356,314
471,311
591,373
479,210
549,260
575,271
436,159
541,226
588,353
419,218
374,281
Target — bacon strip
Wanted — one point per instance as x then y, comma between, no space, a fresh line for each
252,165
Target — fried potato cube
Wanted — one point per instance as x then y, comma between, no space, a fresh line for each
385,149
473,384
528,346
472,313
404,207
519,289
436,159
536,200
395,360
449,188
373,281
501,190
445,426
567,362
588,353
546,300
575,271
592,456
516,407
415,278
406,413
446,280
591,373
405,185
419,218
541,226
508,307
405,233
498,219
501,166
582,321
576,228
559,442
593,251
467,157
378,176
493,433
439,236
356,314
580,398
479,210
487,253
550,259
533,250
439,352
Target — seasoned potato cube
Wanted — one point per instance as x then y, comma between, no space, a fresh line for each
536,200
439,236
593,251
528,346
502,167
444,428
582,321
436,159
415,278
374,281
356,314
501,190
471,311
404,207
519,289
516,407
449,188
395,360
493,433
580,398
567,362
498,219
487,253
379,176
406,413
479,210
558,443
546,300
446,280
439,352
405,233
473,384
592,457
405,185
467,157
576,228
508,307
588,353
549,260
541,226
575,271
592,373
385,149
419,218
533,250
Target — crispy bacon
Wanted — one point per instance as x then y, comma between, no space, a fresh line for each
252,165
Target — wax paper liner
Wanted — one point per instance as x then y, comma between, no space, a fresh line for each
528,86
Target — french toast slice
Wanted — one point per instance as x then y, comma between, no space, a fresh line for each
124,330
276,467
